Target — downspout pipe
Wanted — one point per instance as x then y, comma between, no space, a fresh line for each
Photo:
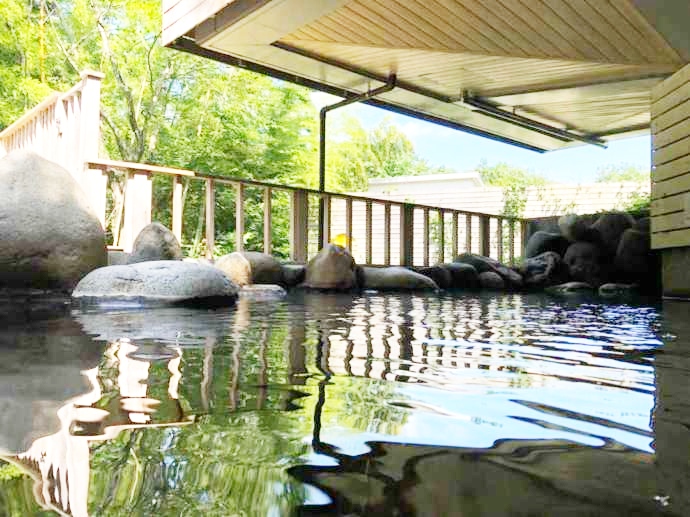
390,84
345,102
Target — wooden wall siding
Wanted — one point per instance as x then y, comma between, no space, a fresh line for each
671,161
605,31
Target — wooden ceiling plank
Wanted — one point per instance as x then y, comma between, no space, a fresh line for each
607,31
538,25
584,21
365,28
623,27
648,34
561,26
546,47
396,17
468,23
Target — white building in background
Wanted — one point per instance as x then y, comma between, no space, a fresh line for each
466,191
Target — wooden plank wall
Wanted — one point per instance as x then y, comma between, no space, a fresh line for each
671,162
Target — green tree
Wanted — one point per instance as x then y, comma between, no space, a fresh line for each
621,172
514,181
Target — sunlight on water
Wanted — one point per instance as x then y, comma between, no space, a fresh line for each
351,404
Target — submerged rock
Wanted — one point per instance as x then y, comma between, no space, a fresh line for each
332,268
262,292
155,242
617,290
49,235
395,278
163,281
571,288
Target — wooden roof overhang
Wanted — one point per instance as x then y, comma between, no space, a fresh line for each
541,74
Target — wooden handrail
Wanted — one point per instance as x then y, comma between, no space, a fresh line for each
30,115
149,168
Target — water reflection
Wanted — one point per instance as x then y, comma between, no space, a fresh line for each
398,404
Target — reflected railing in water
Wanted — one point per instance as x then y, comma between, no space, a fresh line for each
265,396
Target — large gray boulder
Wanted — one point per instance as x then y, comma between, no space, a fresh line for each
610,228
49,236
585,263
155,242
570,289
395,278
158,282
544,270
251,267
540,242
332,268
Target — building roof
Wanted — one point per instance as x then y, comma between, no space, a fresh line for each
542,74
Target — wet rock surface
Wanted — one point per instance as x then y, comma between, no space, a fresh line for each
158,282
395,278
155,242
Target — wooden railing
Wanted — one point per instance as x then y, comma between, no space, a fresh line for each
65,129
377,231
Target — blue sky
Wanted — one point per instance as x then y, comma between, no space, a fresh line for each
462,152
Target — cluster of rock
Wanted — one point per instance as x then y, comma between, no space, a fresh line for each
59,242
595,251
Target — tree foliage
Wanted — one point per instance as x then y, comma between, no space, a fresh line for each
514,181
621,172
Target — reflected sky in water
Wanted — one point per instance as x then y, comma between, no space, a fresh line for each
348,404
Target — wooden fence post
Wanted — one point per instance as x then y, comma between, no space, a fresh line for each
138,192
299,226
485,235
268,230
177,208
94,182
210,202
406,234
239,217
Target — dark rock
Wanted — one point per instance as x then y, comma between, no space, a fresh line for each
293,274
265,268
643,224
541,242
491,280
544,270
573,227
617,290
478,262
584,262
610,228
486,264
570,288
634,257
332,268
463,276
117,258
158,282
439,274
395,278
155,242
49,236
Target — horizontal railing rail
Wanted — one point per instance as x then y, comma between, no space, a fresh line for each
377,231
